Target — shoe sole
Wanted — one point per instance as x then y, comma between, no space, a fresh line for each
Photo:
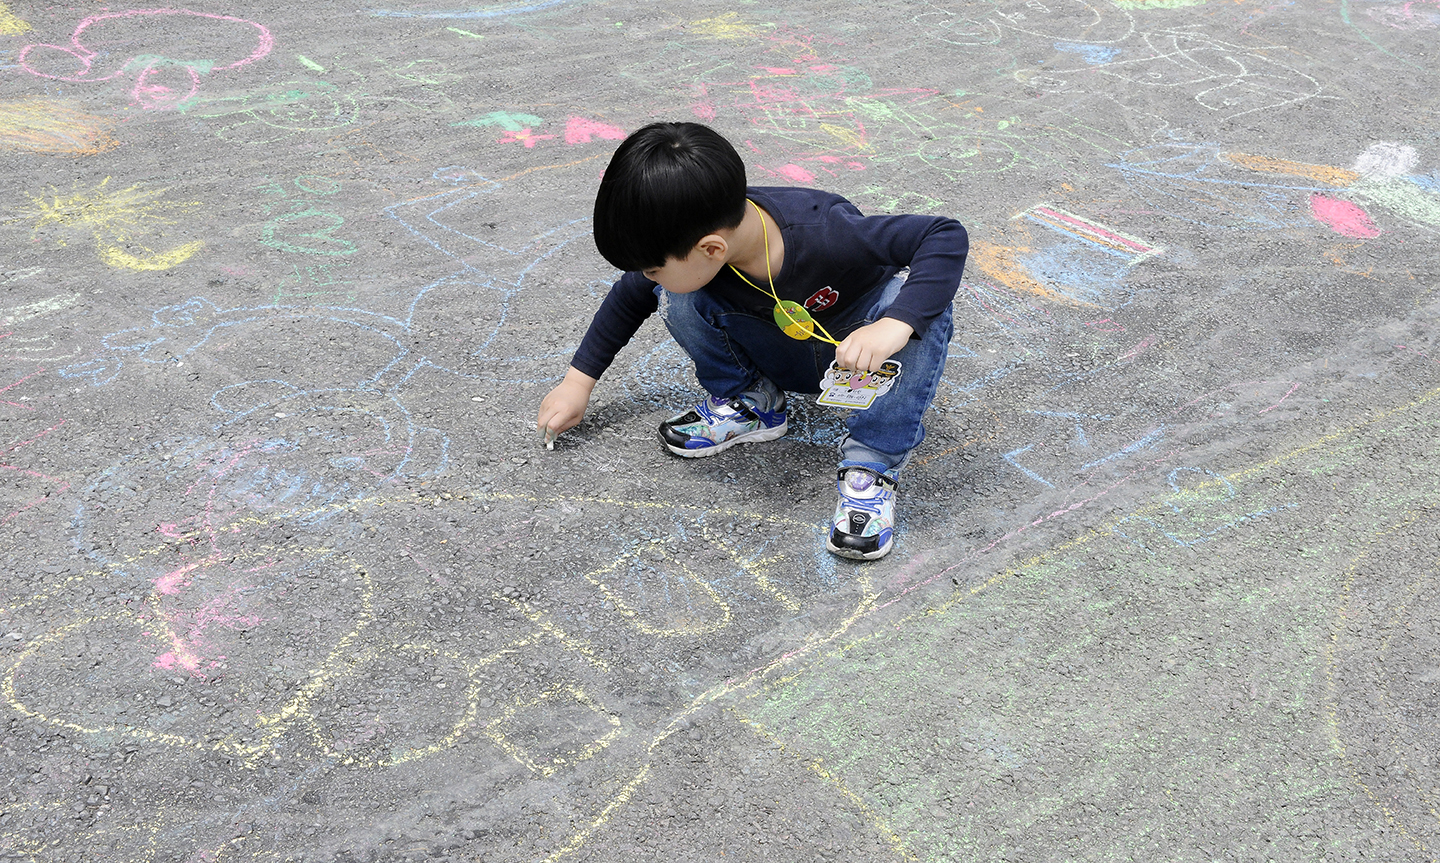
757,436
852,554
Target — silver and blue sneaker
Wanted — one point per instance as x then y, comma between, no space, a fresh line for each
715,425
863,526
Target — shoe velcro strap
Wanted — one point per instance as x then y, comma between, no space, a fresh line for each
881,479
743,408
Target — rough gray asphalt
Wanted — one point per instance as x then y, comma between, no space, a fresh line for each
288,576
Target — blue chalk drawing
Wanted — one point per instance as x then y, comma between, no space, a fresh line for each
1092,54
1190,182
1010,458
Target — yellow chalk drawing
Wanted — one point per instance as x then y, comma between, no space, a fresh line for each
1347,617
725,26
846,136
152,260
813,645
817,766
1333,176
113,218
347,755
269,727
999,264
569,642
637,618
38,125
10,25
548,766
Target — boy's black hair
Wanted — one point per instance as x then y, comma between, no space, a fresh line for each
668,185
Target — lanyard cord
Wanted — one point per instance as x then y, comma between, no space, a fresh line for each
824,334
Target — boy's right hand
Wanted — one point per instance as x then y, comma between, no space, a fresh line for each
565,405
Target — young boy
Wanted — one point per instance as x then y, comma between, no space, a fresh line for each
764,288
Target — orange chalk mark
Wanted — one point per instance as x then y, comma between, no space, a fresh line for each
998,262
40,125
1333,176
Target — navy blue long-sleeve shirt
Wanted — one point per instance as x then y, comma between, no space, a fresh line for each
833,256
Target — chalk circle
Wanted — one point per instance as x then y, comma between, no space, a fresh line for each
969,153
630,581
236,631
1384,675
430,697
317,185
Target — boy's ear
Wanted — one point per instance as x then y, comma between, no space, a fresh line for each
713,247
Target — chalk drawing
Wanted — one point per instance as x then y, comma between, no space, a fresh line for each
353,86
1343,217
162,80
307,230
494,255
493,10
26,486
1338,177
1077,261
274,114
488,272
815,114
1064,21
1198,183
1384,176
116,218
519,128
801,710
508,121
1381,670
523,136
1387,179
39,125
1157,4
579,130
1228,80
1092,54
10,23
540,749
1412,15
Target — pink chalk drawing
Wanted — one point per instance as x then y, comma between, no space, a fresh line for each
1413,15
524,136
1144,345
183,629
30,486
795,174
579,130
1343,217
1106,325
162,81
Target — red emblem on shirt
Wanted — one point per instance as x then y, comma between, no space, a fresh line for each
822,299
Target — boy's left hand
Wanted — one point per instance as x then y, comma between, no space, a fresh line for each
866,348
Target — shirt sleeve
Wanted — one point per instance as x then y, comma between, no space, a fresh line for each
933,247
630,301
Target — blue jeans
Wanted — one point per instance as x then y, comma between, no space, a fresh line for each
733,348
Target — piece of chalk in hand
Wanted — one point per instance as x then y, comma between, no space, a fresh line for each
550,435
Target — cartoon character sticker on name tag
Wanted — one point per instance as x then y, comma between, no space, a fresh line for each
844,388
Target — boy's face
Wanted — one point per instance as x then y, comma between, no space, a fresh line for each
692,272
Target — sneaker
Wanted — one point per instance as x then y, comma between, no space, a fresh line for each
715,425
863,527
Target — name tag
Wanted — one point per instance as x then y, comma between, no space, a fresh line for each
852,390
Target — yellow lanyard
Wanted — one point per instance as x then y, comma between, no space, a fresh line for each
792,318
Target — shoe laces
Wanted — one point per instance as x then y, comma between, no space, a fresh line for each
867,483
